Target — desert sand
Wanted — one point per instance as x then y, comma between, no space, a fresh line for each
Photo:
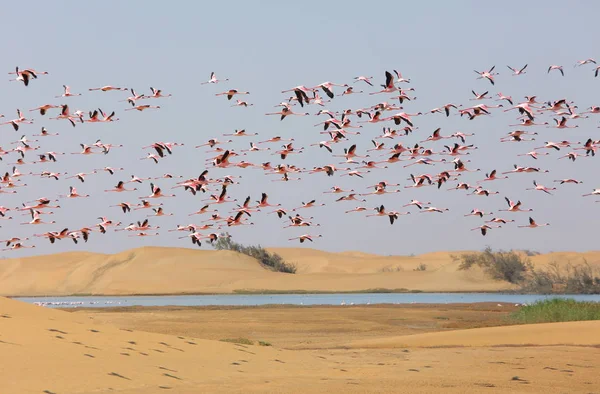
143,271
95,351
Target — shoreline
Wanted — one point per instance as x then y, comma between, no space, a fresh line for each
299,293
277,292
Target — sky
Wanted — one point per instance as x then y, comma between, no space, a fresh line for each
274,46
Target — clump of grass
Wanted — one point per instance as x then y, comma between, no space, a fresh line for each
557,310
272,261
263,343
421,267
391,269
239,341
504,265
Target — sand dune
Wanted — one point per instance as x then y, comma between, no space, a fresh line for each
143,271
585,333
50,351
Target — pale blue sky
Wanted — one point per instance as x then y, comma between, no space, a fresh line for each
274,46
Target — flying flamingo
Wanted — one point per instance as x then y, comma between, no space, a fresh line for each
17,246
568,180
489,75
484,228
518,71
559,68
67,92
35,218
142,107
389,86
514,207
213,79
120,188
305,237
106,88
157,192
230,93
285,111
156,93
367,80
541,188
533,224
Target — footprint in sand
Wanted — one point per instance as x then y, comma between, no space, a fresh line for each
48,392
58,331
167,369
118,375
168,375
6,316
94,331
89,355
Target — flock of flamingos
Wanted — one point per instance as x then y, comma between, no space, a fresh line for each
446,164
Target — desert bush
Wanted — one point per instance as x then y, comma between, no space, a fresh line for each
390,268
509,266
568,279
557,310
421,267
272,261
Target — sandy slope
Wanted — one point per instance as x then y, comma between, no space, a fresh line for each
60,352
51,351
157,270
585,333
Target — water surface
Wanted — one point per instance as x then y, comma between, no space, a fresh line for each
294,299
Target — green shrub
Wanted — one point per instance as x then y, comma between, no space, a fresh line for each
509,266
272,261
239,341
557,310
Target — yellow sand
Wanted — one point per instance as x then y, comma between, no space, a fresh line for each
573,333
50,351
143,271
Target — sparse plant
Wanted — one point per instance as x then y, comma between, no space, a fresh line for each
421,267
269,260
504,265
568,279
390,268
